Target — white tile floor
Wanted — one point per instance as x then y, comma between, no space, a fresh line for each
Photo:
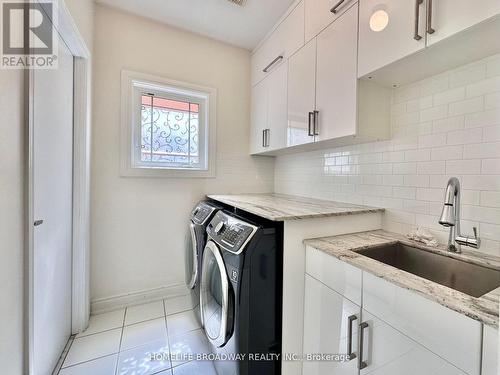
121,342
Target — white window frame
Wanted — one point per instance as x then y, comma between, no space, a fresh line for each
134,85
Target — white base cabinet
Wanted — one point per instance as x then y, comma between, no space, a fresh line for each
398,332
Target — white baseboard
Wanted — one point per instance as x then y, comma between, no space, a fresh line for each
102,305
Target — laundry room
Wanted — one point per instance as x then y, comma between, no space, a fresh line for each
243,187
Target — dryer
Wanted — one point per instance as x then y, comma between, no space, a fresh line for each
241,294
200,217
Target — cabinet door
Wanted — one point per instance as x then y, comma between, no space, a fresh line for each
287,38
386,351
318,14
258,117
301,94
326,329
336,80
452,16
490,351
379,47
277,108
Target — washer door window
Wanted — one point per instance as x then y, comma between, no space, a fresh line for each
191,258
215,297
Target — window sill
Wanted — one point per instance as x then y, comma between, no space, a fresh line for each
167,173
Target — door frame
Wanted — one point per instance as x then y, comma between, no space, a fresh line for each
80,305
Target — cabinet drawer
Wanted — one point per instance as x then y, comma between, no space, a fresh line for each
340,276
447,333
284,41
318,14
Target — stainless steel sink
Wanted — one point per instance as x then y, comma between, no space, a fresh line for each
465,277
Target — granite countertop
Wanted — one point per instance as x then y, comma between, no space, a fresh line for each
280,207
345,247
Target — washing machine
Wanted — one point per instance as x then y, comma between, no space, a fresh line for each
241,294
200,217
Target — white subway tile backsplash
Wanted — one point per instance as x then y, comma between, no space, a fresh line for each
447,153
431,195
431,167
449,96
461,137
467,75
432,140
491,134
467,106
491,166
492,101
418,155
482,119
490,198
434,113
483,87
459,167
444,126
404,168
482,150
448,124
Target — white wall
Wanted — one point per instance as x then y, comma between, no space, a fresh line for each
138,224
447,125
12,204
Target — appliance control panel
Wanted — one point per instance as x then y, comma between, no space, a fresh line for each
229,232
202,213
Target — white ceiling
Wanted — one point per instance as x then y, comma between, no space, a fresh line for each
218,19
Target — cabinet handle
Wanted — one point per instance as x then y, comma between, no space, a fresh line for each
335,8
430,30
350,320
37,223
268,135
417,36
266,69
361,363
311,120
316,122
264,138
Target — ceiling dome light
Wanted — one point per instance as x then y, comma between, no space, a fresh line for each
379,20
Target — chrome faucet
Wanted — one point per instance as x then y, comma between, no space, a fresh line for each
450,218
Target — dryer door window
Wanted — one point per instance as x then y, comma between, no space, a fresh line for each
191,258
215,300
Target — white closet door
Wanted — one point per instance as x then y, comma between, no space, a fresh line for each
53,201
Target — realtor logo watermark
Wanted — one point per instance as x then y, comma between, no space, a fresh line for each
29,39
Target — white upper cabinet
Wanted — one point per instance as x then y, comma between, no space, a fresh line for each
330,326
336,78
301,95
287,38
388,31
320,13
449,17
